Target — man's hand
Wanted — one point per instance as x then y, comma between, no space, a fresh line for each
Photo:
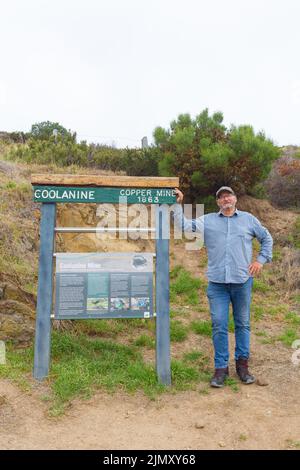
255,268
179,196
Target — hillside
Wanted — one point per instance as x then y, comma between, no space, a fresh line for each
268,416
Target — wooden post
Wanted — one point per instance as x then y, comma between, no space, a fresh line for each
44,297
162,282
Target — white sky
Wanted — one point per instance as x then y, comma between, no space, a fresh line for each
113,70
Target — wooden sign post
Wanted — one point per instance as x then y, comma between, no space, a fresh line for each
52,189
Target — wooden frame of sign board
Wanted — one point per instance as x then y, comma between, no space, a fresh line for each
50,189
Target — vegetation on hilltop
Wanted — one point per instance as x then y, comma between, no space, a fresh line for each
201,151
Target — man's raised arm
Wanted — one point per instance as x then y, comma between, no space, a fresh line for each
187,225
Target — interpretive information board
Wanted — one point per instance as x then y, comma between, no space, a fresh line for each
104,285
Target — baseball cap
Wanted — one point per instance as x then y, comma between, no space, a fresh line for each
224,188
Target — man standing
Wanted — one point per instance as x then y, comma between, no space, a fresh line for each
228,236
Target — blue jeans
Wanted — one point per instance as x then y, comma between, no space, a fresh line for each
220,296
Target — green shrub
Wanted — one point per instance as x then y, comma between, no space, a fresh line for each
106,158
141,162
48,130
206,155
66,152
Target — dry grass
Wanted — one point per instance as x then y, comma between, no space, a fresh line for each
285,273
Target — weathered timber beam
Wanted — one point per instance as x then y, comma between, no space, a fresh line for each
98,180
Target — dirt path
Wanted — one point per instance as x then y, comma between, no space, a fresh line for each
255,417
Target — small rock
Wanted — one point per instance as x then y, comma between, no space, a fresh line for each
262,382
199,425
222,444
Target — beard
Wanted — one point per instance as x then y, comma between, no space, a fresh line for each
228,205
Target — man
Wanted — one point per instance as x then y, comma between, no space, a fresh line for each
228,236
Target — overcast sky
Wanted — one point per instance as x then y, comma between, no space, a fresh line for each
113,70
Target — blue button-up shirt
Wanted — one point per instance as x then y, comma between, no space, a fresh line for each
228,241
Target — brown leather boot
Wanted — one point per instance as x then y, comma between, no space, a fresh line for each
243,372
219,377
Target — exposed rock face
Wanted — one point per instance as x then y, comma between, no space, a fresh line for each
86,215
16,321
17,316
11,291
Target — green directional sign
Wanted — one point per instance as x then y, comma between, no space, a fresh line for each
77,194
